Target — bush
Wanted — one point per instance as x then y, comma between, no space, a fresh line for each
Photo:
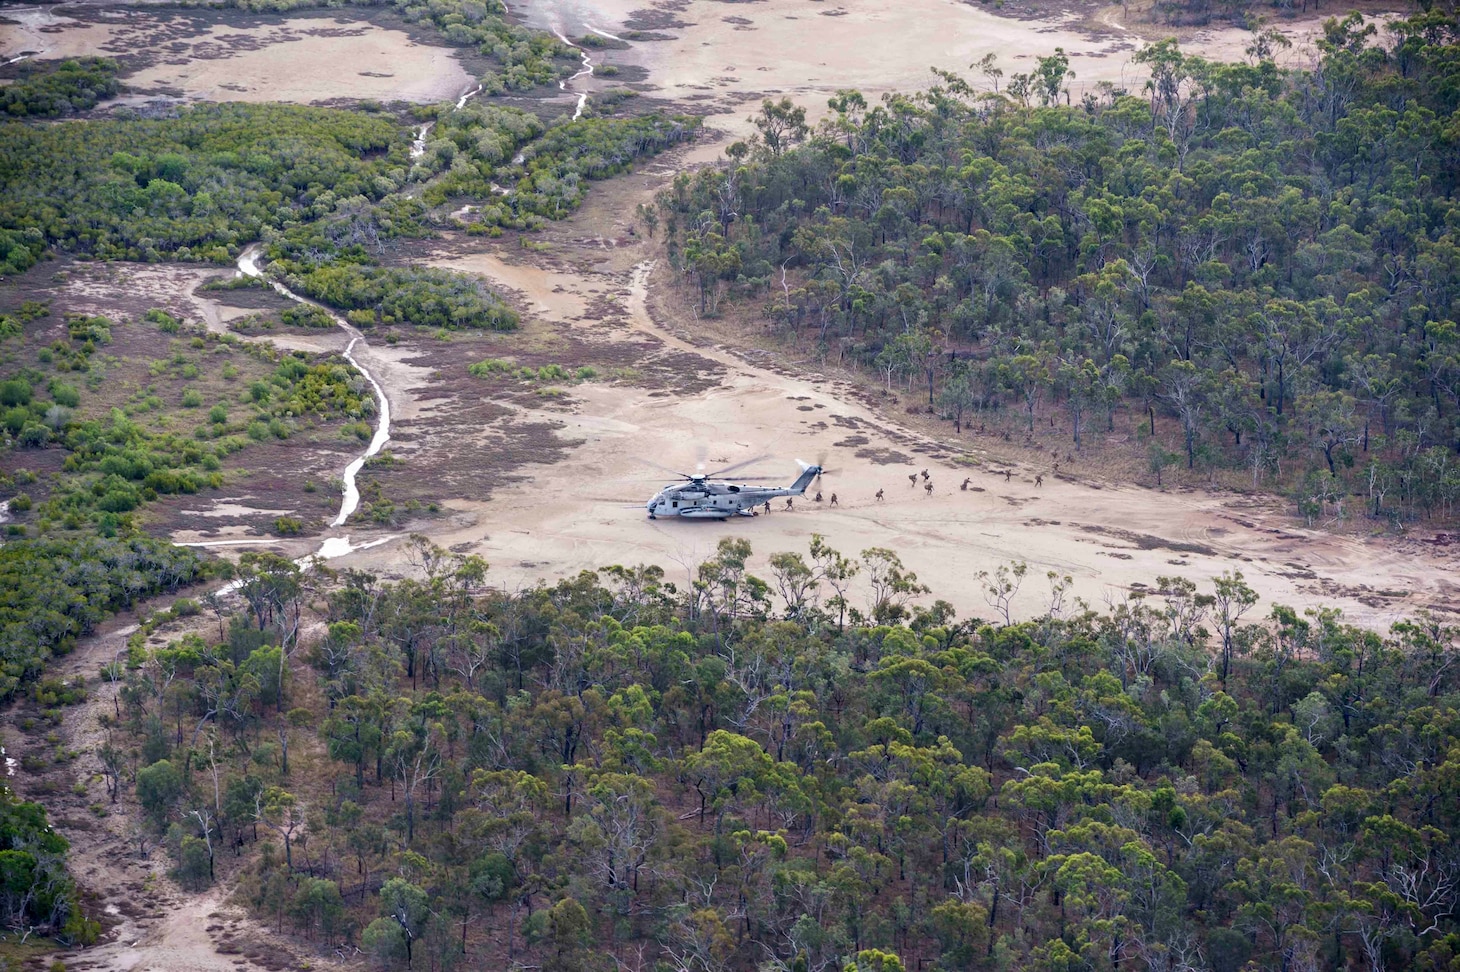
384,941
192,398
66,395
34,435
165,321
16,391
306,315
20,503
490,367
119,499
159,786
194,869
288,526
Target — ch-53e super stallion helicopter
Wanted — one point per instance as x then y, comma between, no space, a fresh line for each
702,498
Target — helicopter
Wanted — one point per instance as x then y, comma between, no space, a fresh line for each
701,498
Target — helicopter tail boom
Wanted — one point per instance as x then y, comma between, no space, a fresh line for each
808,473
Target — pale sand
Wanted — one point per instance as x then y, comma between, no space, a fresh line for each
587,512
277,62
808,50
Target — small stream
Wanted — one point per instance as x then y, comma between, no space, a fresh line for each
587,69
332,547
248,265
418,144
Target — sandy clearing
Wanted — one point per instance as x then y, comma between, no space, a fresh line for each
587,512
572,515
808,50
293,64
301,60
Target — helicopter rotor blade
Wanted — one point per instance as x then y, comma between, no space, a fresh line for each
665,469
820,465
739,465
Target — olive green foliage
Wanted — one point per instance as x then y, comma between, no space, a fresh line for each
477,147
1265,261
423,296
189,187
48,89
306,315
814,772
555,373
35,891
57,589
116,460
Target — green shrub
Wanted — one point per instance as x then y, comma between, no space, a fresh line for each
288,526
306,315
34,436
192,398
16,391
164,321
489,367
63,394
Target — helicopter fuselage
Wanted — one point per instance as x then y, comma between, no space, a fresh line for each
710,499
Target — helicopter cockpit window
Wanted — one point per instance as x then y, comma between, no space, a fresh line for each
733,489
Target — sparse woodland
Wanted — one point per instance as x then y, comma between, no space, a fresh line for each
1238,270
773,773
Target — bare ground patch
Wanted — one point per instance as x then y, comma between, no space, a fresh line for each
235,56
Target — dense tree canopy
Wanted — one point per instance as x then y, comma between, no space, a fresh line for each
48,89
54,590
192,187
523,175
714,778
1267,258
